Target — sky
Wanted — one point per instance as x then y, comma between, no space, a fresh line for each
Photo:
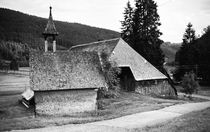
174,14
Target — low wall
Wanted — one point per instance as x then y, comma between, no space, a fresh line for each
157,87
65,102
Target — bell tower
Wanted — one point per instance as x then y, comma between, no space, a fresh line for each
50,33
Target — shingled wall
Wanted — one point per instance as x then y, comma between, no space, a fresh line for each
65,102
65,82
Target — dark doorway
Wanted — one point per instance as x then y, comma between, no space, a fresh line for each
127,80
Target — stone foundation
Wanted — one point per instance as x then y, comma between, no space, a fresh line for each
157,87
65,102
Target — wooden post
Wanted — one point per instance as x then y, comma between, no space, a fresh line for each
46,45
54,45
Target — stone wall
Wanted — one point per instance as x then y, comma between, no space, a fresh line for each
155,87
65,102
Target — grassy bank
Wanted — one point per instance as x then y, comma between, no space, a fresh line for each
192,122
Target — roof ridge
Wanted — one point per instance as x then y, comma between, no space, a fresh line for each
92,43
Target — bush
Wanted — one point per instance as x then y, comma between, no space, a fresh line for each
189,84
105,93
23,63
110,72
14,65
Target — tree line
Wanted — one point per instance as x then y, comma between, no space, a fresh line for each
13,53
23,28
18,29
140,31
193,55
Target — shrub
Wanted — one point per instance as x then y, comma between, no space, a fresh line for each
14,65
110,72
23,63
189,84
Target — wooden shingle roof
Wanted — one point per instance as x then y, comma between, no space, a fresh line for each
65,70
125,56
99,46
50,27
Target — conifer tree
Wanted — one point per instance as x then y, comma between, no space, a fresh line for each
187,55
127,30
189,35
143,31
188,39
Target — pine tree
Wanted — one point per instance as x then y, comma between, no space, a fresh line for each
189,38
143,31
189,35
203,44
187,56
127,30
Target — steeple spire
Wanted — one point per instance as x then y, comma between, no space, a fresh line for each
50,28
50,31
50,11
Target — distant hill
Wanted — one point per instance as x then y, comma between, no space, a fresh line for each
22,28
169,50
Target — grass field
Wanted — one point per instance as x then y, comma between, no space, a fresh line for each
192,122
13,115
203,90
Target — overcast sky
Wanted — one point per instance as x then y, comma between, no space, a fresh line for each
174,14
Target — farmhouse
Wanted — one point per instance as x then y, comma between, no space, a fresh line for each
64,82
137,73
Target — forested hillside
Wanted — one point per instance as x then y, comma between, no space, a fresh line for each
20,32
19,27
169,50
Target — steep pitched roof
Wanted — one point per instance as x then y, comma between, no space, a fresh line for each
125,56
50,28
65,70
